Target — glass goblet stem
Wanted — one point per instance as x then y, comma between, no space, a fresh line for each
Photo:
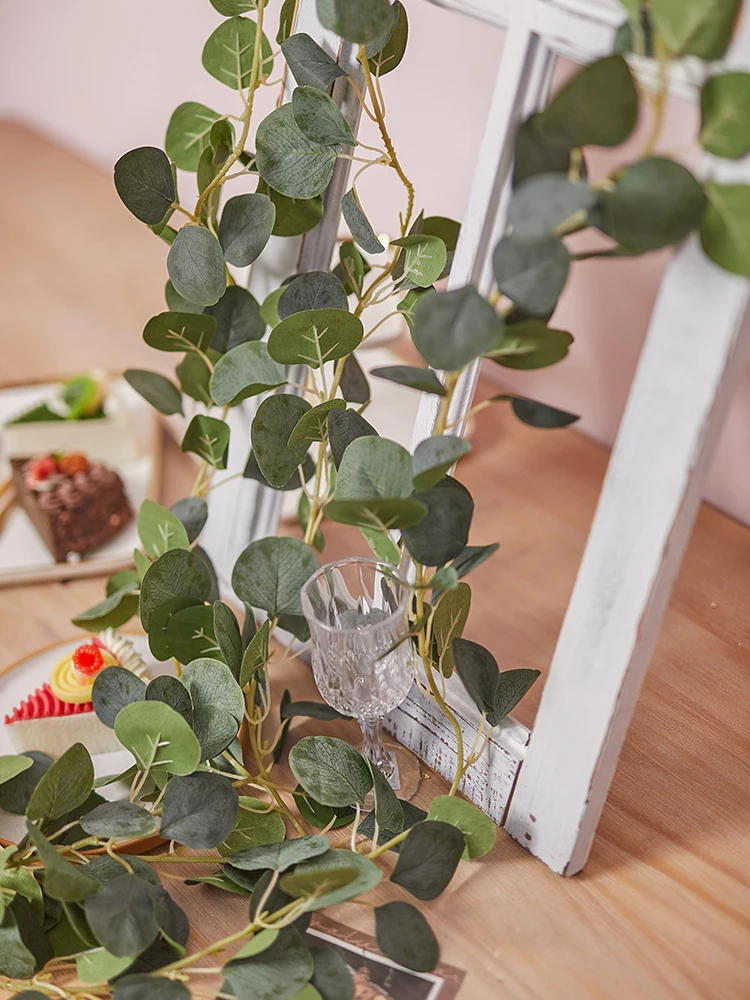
372,745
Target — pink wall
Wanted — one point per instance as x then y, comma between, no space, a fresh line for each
97,78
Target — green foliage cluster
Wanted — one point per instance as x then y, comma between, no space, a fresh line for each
107,915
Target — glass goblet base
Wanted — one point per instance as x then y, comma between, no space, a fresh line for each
406,776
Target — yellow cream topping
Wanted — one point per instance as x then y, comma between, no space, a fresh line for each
71,685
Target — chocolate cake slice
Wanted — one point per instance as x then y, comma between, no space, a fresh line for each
75,505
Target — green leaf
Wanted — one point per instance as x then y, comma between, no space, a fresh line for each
257,943
15,793
196,265
404,935
428,858
23,945
112,612
540,415
448,623
695,27
256,826
381,544
454,328
188,133
389,56
144,182
65,786
316,873
300,475
208,438
320,816
160,530
105,868
62,880
725,124
423,379
122,915
199,810
281,856
375,514
388,810
194,376
193,512
309,63
288,160
408,305
357,22
312,290
294,216
228,635
270,573
238,319
22,882
158,738
530,344
228,53
255,656
534,156
549,203
493,692
119,819
374,467
314,337
274,422
146,987
330,770
320,118
478,829
345,426
172,693
473,556
654,203
312,426
157,390
99,965
174,331
211,682
12,765
277,972
532,273
230,8
425,258
246,225
351,270
354,385
597,107
359,224
443,532
434,456
247,370
310,710
177,573
725,230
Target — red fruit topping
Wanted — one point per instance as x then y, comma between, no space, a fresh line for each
43,467
88,659
70,464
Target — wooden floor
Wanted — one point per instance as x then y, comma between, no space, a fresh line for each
663,908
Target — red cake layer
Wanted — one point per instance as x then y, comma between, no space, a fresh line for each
44,704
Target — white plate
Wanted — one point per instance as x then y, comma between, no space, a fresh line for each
24,678
24,557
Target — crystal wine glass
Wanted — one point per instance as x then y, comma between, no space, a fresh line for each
362,660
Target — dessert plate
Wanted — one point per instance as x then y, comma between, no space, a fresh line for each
20,679
24,558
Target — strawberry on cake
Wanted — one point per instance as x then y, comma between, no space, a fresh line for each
60,712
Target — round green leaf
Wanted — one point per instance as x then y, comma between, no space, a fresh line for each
312,290
211,682
238,319
245,228
320,816
532,273
196,265
270,573
255,826
146,987
188,133
725,230
160,530
245,371
366,24
347,873
354,385
309,63
696,27
190,634
208,437
15,793
172,331
375,514
725,123
158,738
359,224
229,8
65,786
425,258
178,573
288,160
277,973
199,810
374,467
493,692
315,337
294,216
62,880
332,976
345,426
423,379
113,611
531,344
655,202
434,456
477,827
597,107
312,426
119,819
98,965
12,765
428,858
404,935
193,512
537,414
215,729
454,328
113,689
389,56
548,202
274,422
172,693
176,303
320,118
122,915
332,771
534,156
280,856
144,182
157,390
443,532
228,53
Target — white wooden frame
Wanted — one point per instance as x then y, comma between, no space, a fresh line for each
550,794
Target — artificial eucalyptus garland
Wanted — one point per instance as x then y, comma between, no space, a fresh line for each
105,918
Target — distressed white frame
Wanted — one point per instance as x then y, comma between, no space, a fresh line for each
548,787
